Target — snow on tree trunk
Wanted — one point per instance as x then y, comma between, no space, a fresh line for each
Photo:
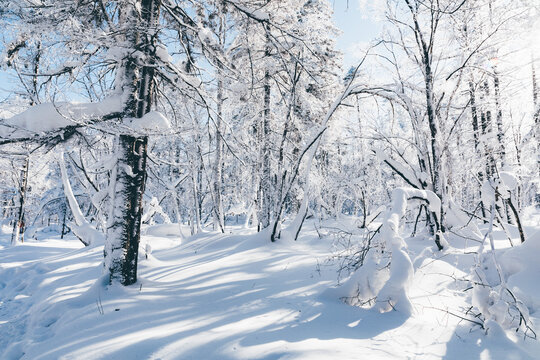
124,230
218,203
266,176
18,226
536,134
219,219
82,228
137,81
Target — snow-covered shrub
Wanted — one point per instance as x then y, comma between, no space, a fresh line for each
385,272
496,293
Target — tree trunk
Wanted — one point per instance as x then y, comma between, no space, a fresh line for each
18,226
500,133
536,118
196,214
474,114
121,249
64,208
476,136
218,204
123,232
499,120
219,216
437,177
266,177
518,221
487,129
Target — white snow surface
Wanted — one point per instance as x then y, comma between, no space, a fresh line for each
237,296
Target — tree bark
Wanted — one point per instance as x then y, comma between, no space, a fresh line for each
219,219
425,48
518,221
499,118
123,234
18,226
476,135
64,210
266,177
536,118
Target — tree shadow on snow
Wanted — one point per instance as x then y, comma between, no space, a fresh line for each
331,320
475,344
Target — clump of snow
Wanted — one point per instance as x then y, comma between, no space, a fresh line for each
148,249
488,192
503,185
152,122
509,179
151,210
508,183
163,54
48,117
366,282
393,294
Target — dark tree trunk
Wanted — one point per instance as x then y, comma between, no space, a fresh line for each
476,135
266,178
499,119
18,226
487,128
518,221
64,208
500,133
536,118
124,233
474,114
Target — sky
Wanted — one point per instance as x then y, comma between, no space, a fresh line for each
359,27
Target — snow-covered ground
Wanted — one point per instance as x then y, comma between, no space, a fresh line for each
236,296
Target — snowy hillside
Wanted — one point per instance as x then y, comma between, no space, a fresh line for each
236,296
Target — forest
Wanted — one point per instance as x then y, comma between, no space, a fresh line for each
208,179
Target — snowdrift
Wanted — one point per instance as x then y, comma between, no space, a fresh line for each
216,296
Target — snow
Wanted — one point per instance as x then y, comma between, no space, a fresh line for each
393,294
509,179
163,54
237,296
48,117
152,122
373,282
488,192
258,14
523,269
81,227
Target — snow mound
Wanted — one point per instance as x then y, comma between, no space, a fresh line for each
522,267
